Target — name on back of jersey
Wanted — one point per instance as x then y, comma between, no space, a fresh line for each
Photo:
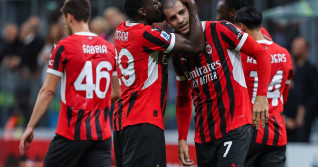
276,58
93,49
121,35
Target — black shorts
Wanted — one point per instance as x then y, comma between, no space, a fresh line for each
228,151
78,153
141,145
261,155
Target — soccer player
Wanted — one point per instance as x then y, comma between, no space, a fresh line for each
142,69
268,145
85,63
216,81
227,8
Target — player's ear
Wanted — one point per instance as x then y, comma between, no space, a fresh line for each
142,12
69,17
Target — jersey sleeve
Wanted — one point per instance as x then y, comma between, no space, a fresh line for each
56,64
233,37
156,39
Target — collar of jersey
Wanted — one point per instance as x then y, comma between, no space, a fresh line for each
265,41
85,33
130,24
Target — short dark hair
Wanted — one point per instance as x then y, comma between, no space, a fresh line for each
80,9
236,4
131,7
249,16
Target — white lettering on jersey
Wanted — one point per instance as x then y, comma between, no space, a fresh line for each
276,58
89,49
122,36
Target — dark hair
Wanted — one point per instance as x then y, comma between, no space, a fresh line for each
131,7
236,4
249,16
80,9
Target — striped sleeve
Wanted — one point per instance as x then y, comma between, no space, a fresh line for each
177,68
56,65
156,39
233,37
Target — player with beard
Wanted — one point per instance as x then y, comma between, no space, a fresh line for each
85,63
268,145
215,81
142,71
227,8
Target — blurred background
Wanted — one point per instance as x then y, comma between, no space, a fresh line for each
29,28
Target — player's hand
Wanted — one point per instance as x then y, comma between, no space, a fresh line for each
260,111
26,140
184,153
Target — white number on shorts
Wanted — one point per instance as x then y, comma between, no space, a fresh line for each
275,84
89,86
228,145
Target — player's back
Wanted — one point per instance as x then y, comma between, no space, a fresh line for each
281,66
86,63
142,73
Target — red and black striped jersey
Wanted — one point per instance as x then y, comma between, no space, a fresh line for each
281,74
142,73
85,62
217,82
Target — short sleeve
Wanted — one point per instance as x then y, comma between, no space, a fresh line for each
233,37
56,65
290,68
156,39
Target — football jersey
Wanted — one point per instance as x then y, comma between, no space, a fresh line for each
142,73
217,82
85,62
281,73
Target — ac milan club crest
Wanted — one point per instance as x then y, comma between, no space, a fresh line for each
208,48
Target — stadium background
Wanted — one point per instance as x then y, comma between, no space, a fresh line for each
284,19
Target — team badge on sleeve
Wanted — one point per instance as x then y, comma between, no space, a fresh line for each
165,36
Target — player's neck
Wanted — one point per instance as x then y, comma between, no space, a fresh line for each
80,27
137,20
256,34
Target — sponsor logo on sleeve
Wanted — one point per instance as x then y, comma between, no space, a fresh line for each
165,36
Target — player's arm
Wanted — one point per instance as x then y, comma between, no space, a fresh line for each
184,113
41,105
260,107
194,43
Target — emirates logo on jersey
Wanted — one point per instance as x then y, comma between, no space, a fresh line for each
208,49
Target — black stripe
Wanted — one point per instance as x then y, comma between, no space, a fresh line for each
106,112
217,84
120,112
265,137
77,135
64,61
69,114
276,132
228,41
115,121
88,127
57,58
132,101
198,109
155,40
146,49
157,28
97,126
226,69
164,86
207,93
231,27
